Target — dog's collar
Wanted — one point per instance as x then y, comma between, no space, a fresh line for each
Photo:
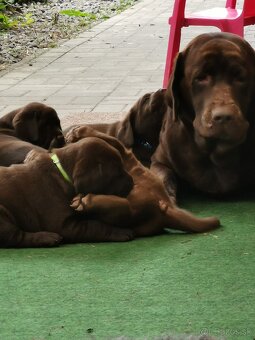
144,143
56,161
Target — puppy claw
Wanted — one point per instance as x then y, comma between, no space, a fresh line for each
77,203
80,208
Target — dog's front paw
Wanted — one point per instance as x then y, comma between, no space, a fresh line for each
73,135
82,203
77,203
47,239
122,235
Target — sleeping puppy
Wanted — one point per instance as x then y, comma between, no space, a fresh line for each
35,196
140,129
35,123
34,126
147,209
14,150
208,135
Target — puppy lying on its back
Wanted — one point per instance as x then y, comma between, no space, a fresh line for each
140,129
34,126
35,197
147,209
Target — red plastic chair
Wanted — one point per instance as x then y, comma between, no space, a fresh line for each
227,19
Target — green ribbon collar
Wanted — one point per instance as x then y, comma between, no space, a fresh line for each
56,161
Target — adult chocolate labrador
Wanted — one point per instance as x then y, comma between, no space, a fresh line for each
147,209
35,197
140,128
34,126
208,138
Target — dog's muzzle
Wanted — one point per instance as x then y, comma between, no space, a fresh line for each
222,123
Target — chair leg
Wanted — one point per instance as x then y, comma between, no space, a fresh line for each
172,50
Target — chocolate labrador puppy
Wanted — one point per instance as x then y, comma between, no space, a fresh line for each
208,138
35,123
140,128
147,209
35,196
14,150
34,126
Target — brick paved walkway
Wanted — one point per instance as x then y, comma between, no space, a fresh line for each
104,69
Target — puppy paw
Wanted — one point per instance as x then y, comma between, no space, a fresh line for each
73,135
82,203
47,239
77,204
122,235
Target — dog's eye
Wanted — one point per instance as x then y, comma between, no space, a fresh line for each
239,76
202,78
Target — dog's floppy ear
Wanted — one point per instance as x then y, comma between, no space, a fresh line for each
125,133
173,92
26,126
87,181
86,159
89,175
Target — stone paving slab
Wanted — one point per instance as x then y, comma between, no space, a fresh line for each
100,74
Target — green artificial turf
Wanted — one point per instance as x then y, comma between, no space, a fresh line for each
164,285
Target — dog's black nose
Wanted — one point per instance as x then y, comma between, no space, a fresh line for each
221,116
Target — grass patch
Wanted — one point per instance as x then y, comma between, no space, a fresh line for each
77,13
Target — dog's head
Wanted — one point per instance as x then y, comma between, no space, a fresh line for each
38,124
212,89
97,168
144,120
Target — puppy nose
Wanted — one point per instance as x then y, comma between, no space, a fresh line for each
221,115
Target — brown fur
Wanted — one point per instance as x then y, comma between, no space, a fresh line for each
140,128
147,209
35,198
34,126
207,138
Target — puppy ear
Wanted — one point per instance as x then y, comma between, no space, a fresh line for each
125,132
86,181
81,184
173,92
26,129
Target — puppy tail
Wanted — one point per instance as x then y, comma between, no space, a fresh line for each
181,219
